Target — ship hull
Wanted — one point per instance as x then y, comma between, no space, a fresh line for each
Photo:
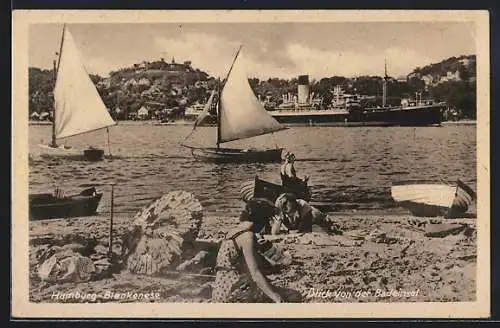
409,116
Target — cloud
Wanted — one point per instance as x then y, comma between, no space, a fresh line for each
207,52
214,54
320,63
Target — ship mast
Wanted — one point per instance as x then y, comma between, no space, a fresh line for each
217,112
384,85
56,68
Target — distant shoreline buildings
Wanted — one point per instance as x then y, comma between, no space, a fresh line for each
169,88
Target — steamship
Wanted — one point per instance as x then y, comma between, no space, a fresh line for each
347,111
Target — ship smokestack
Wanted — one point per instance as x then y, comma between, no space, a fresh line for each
303,89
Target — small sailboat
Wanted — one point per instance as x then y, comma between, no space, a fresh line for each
433,199
240,115
78,108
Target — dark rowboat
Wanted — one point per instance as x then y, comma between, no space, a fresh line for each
433,199
263,189
48,206
233,155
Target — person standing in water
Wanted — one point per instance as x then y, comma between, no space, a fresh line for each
287,172
289,179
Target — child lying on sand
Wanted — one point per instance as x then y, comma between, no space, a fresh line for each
297,214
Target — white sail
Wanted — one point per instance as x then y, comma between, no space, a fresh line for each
204,114
241,114
78,106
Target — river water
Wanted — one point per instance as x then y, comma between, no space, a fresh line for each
352,167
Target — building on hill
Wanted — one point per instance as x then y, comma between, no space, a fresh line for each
450,76
466,61
130,83
428,79
44,116
143,113
144,82
35,116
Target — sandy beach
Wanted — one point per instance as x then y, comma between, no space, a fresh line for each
378,258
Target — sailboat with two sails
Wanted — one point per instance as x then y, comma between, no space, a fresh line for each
78,108
240,115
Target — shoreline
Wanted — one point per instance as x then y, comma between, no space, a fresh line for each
461,122
333,124
374,252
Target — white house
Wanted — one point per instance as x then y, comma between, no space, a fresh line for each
144,81
35,116
143,113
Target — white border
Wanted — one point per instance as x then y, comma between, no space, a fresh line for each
21,307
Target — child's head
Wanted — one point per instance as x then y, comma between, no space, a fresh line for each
259,212
287,203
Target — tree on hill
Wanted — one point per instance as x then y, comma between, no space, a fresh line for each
40,89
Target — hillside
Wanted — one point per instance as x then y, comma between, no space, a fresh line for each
157,85
160,85
461,68
452,80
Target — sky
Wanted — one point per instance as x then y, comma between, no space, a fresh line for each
282,50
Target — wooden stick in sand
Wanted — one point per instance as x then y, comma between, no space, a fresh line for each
110,250
188,274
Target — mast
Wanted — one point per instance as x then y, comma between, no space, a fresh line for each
220,92
217,112
54,142
56,68
384,85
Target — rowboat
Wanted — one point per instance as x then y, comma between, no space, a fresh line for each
78,108
50,206
433,199
240,115
259,188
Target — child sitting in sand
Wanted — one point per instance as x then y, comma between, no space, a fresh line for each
297,214
239,277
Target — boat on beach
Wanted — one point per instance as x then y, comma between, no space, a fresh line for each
240,115
51,206
78,108
433,199
259,188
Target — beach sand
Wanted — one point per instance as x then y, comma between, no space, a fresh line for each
378,258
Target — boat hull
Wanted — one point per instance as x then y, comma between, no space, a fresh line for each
431,200
407,116
258,188
46,206
90,154
231,155
93,154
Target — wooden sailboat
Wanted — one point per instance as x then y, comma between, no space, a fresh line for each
433,199
240,115
78,108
